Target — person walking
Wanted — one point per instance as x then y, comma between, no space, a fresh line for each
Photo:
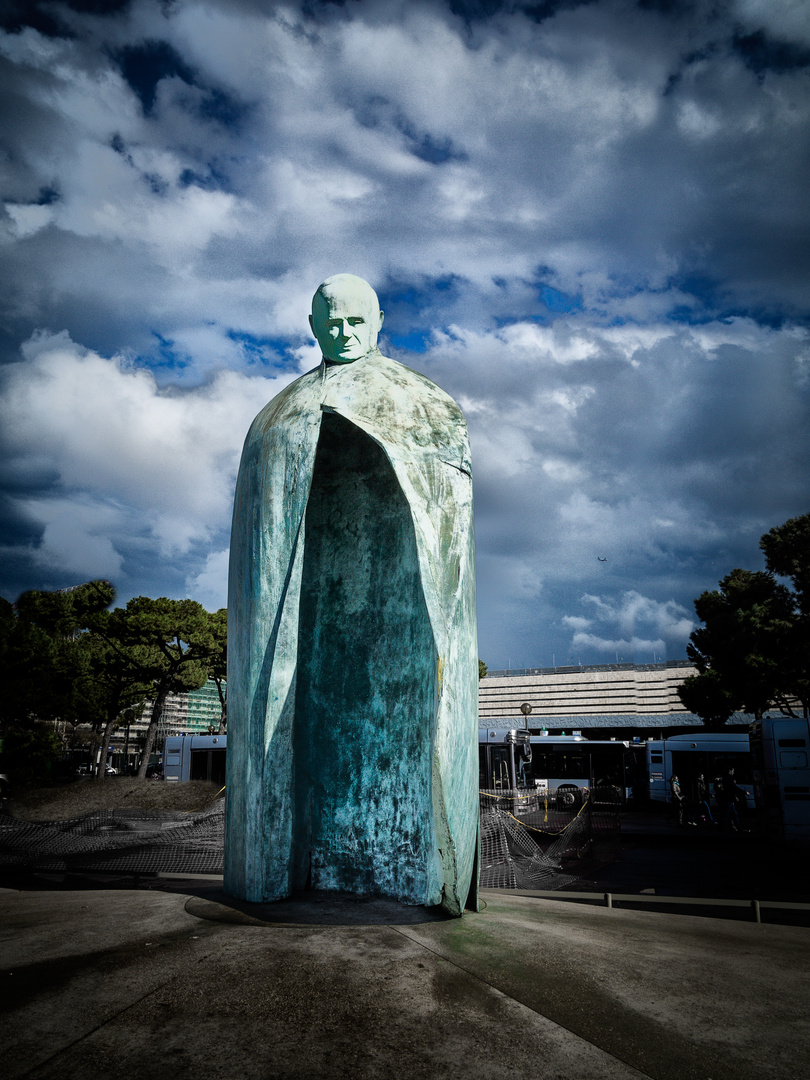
728,794
703,808
677,798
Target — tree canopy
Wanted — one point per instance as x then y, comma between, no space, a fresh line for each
65,657
171,644
41,654
752,652
46,668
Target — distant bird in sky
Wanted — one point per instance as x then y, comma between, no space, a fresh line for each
599,557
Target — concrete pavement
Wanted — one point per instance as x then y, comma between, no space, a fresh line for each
143,984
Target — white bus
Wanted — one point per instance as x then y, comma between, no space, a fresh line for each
560,766
781,750
687,756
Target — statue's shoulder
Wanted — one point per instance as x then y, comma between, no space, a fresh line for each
295,399
417,385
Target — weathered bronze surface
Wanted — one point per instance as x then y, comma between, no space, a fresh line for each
352,663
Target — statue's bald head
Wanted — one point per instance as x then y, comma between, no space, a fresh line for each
346,318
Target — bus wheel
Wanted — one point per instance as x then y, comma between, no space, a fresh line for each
569,798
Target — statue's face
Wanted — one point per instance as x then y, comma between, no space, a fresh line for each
346,320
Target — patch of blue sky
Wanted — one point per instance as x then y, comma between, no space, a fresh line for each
559,302
709,304
412,308
223,108
418,295
509,320
207,176
704,290
376,110
166,357
436,151
143,66
157,184
416,341
270,352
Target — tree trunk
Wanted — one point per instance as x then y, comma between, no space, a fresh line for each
105,748
223,716
151,731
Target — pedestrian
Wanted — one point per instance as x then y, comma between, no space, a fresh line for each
703,809
728,794
739,799
677,798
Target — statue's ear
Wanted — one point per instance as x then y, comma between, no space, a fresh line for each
382,316
311,325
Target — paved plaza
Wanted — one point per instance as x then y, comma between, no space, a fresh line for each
187,983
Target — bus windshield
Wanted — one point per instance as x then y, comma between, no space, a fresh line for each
573,766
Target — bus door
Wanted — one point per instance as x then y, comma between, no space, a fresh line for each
498,773
687,765
611,772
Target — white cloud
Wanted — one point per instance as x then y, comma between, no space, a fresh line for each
119,454
559,148
698,122
28,220
645,627
76,537
623,650
596,221
656,455
210,586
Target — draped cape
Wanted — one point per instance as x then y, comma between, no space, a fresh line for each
358,774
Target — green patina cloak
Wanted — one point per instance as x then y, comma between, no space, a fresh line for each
352,651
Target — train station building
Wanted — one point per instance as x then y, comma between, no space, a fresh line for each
606,701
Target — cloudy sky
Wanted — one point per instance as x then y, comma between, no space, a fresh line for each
587,221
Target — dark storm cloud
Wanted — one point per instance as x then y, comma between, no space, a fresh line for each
588,221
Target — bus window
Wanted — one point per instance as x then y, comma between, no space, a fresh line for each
562,765
208,765
568,766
